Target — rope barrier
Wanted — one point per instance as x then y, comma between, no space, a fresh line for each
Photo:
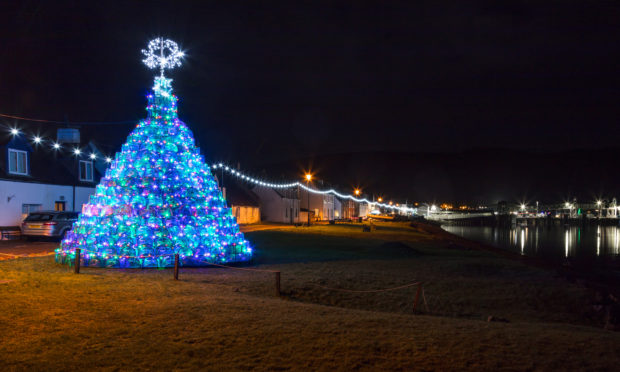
367,291
244,268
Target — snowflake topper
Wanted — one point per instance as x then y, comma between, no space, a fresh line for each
163,54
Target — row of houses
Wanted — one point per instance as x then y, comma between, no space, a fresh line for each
292,206
35,179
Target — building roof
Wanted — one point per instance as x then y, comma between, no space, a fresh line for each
238,194
59,167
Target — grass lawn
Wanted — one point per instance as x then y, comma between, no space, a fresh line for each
222,319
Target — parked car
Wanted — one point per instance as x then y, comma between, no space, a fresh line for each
48,224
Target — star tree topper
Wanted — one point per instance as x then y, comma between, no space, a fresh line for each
163,54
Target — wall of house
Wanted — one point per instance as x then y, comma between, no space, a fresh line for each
246,214
321,204
337,209
275,208
14,195
364,209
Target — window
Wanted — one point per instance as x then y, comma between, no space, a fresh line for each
29,208
18,162
86,170
59,206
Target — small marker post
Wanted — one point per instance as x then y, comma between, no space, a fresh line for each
277,283
76,264
176,266
417,297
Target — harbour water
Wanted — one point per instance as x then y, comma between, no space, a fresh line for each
585,246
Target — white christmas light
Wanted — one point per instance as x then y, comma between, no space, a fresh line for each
321,192
108,159
37,139
162,54
14,131
56,146
77,151
93,156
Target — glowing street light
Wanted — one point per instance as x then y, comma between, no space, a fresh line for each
357,192
523,207
308,178
380,199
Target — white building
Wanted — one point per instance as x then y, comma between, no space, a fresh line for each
243,203
278,205
321,205
36,179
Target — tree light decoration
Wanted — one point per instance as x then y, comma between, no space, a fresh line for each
158,198
163,54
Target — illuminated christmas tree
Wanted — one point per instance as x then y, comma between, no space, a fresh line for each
158,197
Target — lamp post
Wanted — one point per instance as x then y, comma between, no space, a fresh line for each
308,178
357,194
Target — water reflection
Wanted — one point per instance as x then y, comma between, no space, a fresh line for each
555,242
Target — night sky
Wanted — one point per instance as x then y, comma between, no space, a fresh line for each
270,81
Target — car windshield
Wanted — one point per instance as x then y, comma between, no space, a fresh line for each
39,217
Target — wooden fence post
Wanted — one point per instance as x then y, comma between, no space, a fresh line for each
417,296
76,265
277,283
176,266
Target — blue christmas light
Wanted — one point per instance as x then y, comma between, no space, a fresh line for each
158,198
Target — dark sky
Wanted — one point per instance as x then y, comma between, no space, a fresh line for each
264,81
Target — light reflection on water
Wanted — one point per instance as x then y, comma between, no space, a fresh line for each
553,242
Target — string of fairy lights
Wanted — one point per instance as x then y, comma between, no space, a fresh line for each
38,140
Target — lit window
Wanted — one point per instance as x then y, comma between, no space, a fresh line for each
18,162
86,170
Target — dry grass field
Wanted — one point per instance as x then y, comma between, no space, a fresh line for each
224,319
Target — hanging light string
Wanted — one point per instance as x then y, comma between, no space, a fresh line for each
66,122
259,182
38,140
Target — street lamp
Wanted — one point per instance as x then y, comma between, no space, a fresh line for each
357,192
598,204
380,199
308,178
